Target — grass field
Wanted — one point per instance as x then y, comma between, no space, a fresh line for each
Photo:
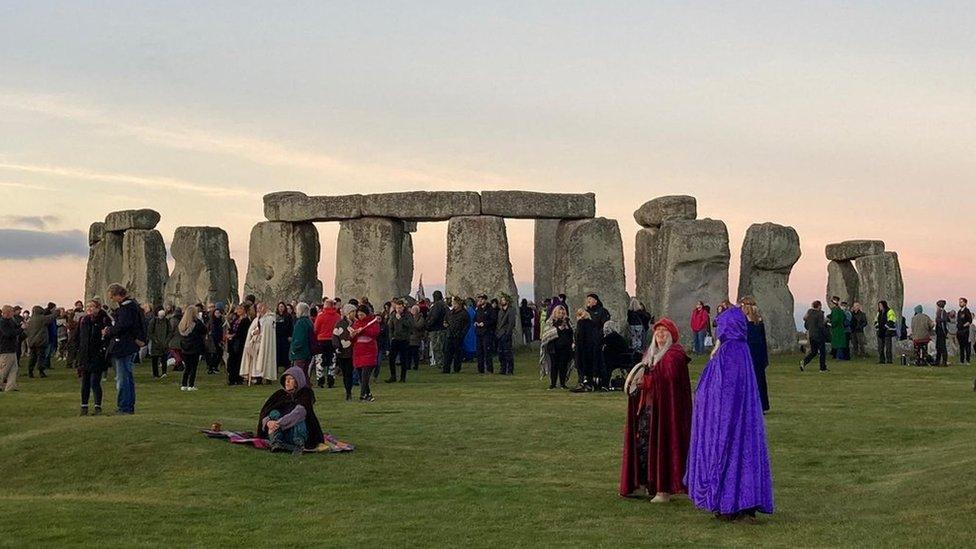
866,455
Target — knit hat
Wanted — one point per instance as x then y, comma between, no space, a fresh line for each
918,309
670,326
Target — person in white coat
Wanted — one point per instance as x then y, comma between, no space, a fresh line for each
260,348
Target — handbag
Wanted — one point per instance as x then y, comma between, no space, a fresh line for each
709,341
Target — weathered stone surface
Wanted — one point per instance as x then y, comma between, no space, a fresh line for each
850,250
95,233
202,272
879,278
410,226
296,206
842,281
666,208
405,272
768,255
422,205
144,268
478,261
283,262
235,294
590,259
534,205
104,265
644,250
131,219
689,262
544,261
369,258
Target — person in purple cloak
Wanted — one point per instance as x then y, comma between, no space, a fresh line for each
728,470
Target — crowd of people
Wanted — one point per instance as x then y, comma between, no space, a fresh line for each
924,341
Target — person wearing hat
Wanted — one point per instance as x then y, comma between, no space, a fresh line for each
658,430
941,333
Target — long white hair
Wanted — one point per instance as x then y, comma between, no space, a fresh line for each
655,352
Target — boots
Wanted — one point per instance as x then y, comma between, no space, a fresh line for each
84,411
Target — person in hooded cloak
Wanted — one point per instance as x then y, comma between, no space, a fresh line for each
288,418
658,428
728,469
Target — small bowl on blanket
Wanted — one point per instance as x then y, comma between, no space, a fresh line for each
216,426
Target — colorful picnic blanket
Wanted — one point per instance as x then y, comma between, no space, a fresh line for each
331,445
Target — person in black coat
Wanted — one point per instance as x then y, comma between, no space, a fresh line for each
589,338
457,327
124,338
193,332
91,362
236,337
284,324
756,338
484,331
526,317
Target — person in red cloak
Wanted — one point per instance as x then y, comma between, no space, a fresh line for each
658,426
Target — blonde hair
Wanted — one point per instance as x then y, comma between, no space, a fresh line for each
751,309
189,318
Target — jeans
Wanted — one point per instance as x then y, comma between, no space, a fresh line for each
345,365
483,347
857,339
158,361
559,366
291,438
37,358
91,382
527,333
453,355
398,352
700,342
884,350
364,375
125,384
190,363
637,337
817,348
436,347
506,355
965,351
413,357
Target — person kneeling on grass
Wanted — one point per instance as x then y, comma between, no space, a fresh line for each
287,418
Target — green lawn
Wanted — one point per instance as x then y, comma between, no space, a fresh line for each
866,455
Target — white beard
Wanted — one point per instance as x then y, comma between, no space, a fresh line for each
656,352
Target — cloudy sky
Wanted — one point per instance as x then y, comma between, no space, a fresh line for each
844,120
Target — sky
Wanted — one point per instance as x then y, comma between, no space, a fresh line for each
844,120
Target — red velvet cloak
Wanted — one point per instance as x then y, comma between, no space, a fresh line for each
667,391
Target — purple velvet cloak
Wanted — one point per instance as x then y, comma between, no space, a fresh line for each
728,461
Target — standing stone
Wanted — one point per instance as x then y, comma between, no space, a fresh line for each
590,259
879,278
842,281
235,293
104,265
124,220
689,263
644,250
283,263
202,270
544,260
478,261
768,255
406,262
144,268
369,259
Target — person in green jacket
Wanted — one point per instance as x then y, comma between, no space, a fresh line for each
838,334
303,332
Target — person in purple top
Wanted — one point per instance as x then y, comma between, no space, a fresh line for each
728,469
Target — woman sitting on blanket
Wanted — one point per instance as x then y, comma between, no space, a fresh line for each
288,419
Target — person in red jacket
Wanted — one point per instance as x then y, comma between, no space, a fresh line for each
699,325
365,351
325,323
